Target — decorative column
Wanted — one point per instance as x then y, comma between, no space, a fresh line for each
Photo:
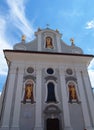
17,104
8,98
89,93
58,42
39,41
65,106
83,100
38,107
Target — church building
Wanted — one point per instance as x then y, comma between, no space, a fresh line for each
47,86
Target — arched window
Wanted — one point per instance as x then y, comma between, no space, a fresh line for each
72,92
28,94
51,92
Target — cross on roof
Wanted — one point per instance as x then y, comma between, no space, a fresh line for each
47,25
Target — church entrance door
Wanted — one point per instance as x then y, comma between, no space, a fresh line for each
52,124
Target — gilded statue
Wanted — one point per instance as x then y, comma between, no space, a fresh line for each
72,41
23,37
72,92
28,92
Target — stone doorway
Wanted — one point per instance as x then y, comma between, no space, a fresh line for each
52,124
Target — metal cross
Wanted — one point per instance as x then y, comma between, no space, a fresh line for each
47,25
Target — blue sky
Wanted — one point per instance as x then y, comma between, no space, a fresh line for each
73,18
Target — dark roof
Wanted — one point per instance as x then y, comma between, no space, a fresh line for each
49,53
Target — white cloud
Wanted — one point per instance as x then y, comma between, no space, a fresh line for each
91,75
90,24
3,45
18,17
91,66
91,72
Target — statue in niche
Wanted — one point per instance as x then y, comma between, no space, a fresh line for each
72,93
28,96
49,43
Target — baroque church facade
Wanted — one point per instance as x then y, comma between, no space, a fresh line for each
47,86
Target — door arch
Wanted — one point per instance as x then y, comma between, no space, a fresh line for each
52,118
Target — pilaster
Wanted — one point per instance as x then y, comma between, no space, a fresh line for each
8,99
39,42
89,93
83,100
58,43
17,104
38,111
65,107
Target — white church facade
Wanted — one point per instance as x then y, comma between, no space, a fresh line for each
47,86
